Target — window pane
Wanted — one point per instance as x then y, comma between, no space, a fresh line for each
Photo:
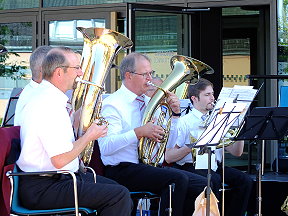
236,61
16,4
14,71
64,33
59,3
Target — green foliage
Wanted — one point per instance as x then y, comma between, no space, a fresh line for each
12,69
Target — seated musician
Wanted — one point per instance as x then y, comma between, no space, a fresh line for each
48,144
35,62
119,149
191,125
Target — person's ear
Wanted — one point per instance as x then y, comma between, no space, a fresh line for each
193,98
58,71
128,75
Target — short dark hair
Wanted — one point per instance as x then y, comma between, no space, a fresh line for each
201,85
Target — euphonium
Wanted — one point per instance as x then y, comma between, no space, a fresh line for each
184,70
100,49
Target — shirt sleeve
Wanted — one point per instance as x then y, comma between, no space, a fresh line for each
182,134
119,134
56,138
173,133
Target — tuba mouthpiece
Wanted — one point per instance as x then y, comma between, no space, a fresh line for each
149,83
78,79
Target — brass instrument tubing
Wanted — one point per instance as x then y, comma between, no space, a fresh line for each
78,79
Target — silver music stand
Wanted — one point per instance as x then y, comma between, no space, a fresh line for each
215,131
264,123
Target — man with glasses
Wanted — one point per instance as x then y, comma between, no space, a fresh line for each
48,144
119,149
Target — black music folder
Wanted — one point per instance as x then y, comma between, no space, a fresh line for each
265,123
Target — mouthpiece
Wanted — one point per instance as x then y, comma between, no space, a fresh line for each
149,83
78,79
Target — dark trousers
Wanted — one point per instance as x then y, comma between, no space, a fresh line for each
239,182
106,196
142,177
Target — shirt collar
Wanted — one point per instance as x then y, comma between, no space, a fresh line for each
131,96
197,113
34,84
54,90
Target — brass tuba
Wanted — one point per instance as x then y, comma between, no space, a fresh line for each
99,51
184,70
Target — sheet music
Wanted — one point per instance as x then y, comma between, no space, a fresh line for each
237,94
221,123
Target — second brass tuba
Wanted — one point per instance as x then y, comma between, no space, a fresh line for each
185,71
99,51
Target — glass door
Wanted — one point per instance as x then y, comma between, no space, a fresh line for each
160,32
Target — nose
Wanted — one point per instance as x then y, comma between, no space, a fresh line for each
80,72
212,98
149,77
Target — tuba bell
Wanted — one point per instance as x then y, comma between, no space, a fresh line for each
99,51
185,70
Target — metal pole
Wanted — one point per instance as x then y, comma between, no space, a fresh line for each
208,189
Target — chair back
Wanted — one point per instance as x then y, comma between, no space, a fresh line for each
96,162
7,136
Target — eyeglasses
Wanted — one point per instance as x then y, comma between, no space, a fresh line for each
145,75
75,67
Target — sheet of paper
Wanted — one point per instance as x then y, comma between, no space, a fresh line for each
237,94
220,124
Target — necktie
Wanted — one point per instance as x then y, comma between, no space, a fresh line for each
203,117
141,102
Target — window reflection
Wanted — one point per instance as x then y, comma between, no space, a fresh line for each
64,33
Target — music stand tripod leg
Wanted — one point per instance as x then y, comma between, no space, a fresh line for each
259,168
208,189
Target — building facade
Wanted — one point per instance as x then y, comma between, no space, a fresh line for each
244,41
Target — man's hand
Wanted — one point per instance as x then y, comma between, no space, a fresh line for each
95,131
151,131
173,102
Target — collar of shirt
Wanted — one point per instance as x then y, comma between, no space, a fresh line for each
34,84
131,96
57,93
197,113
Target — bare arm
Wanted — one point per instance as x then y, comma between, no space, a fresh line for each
236,149
175,154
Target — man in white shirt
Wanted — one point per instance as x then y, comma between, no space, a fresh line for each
35,61
119,149
190,127
47,143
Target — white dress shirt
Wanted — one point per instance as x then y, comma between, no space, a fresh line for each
191,125
23,99
122,112
46,130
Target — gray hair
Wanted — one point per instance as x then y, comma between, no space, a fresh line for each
128,64
54,59
36,60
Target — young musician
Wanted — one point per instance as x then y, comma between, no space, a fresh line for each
190,127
